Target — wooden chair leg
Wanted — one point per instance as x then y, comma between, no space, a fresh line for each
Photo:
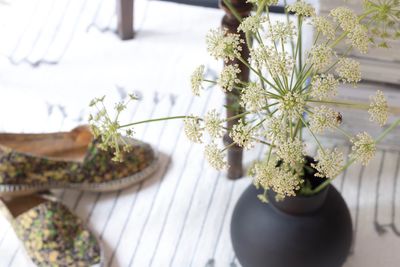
125,19
235,153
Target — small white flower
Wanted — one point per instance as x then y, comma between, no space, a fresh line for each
281,180
359,38
323,118
252,24
324,26
302,8
279,63
276,130
264,173
364,148
378,110
193,130
241,135
291,152
213,124
197,79
281,31
346,18
320,56
229,77
253,97
215,157
324,86
292,104
329,163
224,45
286,183
349,70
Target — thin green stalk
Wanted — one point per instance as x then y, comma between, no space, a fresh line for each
238,116
157,119
316,139
233,10
387,131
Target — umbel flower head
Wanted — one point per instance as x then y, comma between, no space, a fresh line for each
329,163
302,8
213,124
364,148
224,45
349,70
378,110
241,135
197,80
253,97
215,157
324,26
229,77
324,86
252,24
193,130
323,118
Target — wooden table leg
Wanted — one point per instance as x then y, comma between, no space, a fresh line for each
125,19
235,153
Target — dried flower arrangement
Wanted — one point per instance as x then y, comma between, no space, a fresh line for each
293,91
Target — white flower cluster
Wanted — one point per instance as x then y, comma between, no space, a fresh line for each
229,77
252,24
324,86
301,8
363,149
323,118
292,104
291,152
359,38
281,31
197,79
329,163
324,26
357,33
213,124
378,110
224,45
275,130
346,18
280,179
215,157
279,63
241,135
320,56
349,70
253,98
276,62
192,129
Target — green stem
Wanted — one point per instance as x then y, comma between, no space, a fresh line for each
233,10
238,116
387,131
157,119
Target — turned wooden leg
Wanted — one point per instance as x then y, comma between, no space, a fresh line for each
125,19
235,153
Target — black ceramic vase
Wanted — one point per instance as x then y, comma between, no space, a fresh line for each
299,231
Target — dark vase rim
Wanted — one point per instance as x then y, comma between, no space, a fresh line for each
299,204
